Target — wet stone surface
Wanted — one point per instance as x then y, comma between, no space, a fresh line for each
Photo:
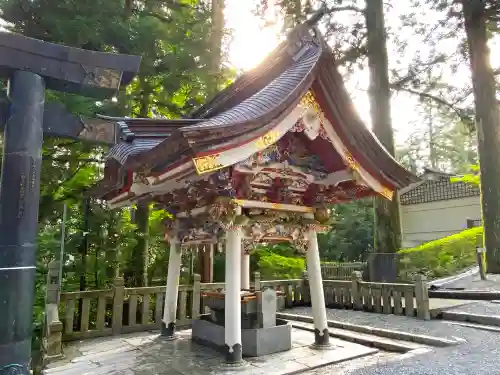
148,354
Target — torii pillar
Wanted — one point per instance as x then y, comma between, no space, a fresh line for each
31,66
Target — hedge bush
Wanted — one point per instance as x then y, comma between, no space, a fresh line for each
278,267
440,258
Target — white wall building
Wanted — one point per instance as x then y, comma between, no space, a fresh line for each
436,208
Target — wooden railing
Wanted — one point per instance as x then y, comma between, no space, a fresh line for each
387,298
119,310
295,292
340,271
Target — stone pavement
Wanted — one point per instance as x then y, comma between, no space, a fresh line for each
438,305
478,355
474,282
148,354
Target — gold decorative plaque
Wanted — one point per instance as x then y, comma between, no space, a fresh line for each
267,139
387,193
205,164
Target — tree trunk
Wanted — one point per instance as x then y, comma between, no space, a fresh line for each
488,126
84,244
83,249
216,36
432,145
136,274
111,255
433,158
387,233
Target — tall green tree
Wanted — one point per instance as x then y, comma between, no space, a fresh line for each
387,219
216,42
453,148
172,39
350,238
477,15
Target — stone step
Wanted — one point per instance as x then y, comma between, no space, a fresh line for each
364,339
380,332
472,295
474,325
489,320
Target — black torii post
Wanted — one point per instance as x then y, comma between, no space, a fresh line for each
31,66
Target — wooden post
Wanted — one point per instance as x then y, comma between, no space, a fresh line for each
118,297
480,257
306,293
207,264
256,276
357,298
422,297
195,309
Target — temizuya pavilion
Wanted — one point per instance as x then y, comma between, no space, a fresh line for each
260,162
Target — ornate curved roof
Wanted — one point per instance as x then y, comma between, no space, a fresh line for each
278,106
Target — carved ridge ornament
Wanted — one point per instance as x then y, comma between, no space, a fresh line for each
309,101
351,162
209,163
141,177
318,228
247,245
230,227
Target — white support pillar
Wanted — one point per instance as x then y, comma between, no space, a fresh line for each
321,335
245,270
232,334
174,270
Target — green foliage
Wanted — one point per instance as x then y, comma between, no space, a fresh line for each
445,144
351,235
277,267
172,39
471,178
442,257
349,239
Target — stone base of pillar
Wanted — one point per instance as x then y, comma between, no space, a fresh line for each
168,331
321,341
233,358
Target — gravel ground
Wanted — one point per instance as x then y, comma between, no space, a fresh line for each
478,356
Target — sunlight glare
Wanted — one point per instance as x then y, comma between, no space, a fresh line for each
251,42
